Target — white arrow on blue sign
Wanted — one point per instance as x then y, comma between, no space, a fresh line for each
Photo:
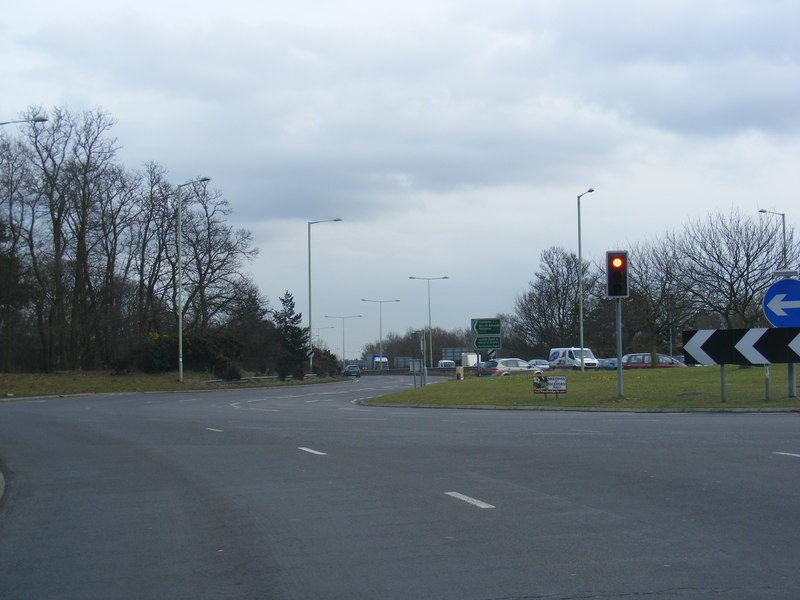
782,303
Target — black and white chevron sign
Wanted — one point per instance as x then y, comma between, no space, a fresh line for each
758,346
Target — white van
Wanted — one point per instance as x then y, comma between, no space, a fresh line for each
570,358
447,364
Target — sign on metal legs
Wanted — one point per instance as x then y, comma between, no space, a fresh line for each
758,346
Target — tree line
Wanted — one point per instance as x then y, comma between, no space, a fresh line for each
710,274
89,265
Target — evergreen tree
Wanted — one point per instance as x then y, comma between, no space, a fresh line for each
291,361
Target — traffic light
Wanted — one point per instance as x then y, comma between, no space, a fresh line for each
617,274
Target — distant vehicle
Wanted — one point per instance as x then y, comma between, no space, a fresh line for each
607,364
641,360
565,358
352,371
507,366
446,364
541,363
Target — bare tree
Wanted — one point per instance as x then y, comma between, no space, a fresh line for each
727,263
658,303
215,255
547,314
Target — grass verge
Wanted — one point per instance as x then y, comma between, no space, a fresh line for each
655,389
15,385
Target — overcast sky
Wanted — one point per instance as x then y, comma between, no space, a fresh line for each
452,137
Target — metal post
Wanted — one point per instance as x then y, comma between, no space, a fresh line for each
722,382
766,383
310,337
580,276
619,347
180,271
430,326
180,286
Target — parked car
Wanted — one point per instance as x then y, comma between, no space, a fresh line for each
607,364
641,360
541,363
352,371
507,366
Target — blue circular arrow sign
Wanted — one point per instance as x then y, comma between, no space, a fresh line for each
782,303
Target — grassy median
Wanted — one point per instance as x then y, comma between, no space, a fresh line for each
657,389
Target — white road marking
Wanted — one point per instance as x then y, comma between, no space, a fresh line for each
215,430
787,454
310,451
468,500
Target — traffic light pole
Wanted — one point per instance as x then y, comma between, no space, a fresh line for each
619,346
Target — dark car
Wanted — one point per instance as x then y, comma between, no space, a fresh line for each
641,360
507,366
352,371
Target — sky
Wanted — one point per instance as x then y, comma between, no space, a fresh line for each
452,137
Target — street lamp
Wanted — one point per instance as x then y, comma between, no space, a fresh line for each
343,318
580,276
180,271
783,225
310,340
380,304
430,328
37,119
786,272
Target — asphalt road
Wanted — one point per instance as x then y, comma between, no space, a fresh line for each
301,493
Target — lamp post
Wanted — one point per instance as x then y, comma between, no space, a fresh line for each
380,304
785,272
580,277
310,340
36,119
430,328
180,271
344,360
783,226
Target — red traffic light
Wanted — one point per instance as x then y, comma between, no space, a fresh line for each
617,274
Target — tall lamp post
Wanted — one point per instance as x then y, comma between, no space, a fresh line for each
344,359
310,340
783,226
580,276
36,119
430,327
180,271
790,368
380,304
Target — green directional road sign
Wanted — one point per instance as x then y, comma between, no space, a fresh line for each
487,334
487,342
486,326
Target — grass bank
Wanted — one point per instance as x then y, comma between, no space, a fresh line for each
657,389
68,383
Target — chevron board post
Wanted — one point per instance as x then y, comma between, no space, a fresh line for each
758,346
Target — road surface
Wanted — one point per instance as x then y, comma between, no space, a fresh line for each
302,493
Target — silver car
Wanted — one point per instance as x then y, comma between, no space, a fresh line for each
507,366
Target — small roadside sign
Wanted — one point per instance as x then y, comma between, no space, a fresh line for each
549,384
